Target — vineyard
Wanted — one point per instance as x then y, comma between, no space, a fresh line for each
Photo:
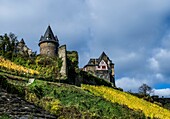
105,103
149,109
69,101
10,66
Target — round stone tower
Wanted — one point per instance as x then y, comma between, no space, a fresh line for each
49,43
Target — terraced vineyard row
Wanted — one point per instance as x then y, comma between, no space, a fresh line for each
7,64
149,109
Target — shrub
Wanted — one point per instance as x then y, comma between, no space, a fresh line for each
5,116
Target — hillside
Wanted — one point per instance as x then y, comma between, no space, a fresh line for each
69,101
149,109
7,65
18,108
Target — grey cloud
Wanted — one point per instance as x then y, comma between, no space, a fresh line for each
160,62
128,31
162,92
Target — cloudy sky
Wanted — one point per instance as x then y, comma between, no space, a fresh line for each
135,34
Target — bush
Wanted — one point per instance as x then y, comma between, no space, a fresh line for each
5,116
12,88
40,88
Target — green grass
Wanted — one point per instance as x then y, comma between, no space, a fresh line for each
4,116
69,101
74,99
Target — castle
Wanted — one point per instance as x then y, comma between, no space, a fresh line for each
49,46
101,67
49,43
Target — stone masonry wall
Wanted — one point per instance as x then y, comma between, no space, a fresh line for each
48,48
17,108
62,54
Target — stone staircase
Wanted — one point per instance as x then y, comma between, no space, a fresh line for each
17,108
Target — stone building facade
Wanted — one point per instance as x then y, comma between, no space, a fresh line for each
23,49
101,67
49,46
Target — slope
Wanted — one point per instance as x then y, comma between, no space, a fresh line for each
72,102
10,67
63,100
69,101
149,109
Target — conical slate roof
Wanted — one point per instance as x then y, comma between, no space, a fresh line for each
48,36
22,41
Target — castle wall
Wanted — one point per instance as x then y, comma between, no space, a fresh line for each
48,48
90,69
103,74
62,54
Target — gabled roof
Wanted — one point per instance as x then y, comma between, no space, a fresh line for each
94,62
48,36
103,55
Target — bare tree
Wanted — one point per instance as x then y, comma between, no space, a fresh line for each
145,89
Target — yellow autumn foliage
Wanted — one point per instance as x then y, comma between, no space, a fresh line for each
149,109
50,104
4,63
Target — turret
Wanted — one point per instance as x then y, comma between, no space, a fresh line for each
49,43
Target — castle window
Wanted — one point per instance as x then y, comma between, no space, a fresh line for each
103,67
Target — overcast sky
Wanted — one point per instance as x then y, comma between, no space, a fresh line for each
135,34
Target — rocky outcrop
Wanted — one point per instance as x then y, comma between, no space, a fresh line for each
18,108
